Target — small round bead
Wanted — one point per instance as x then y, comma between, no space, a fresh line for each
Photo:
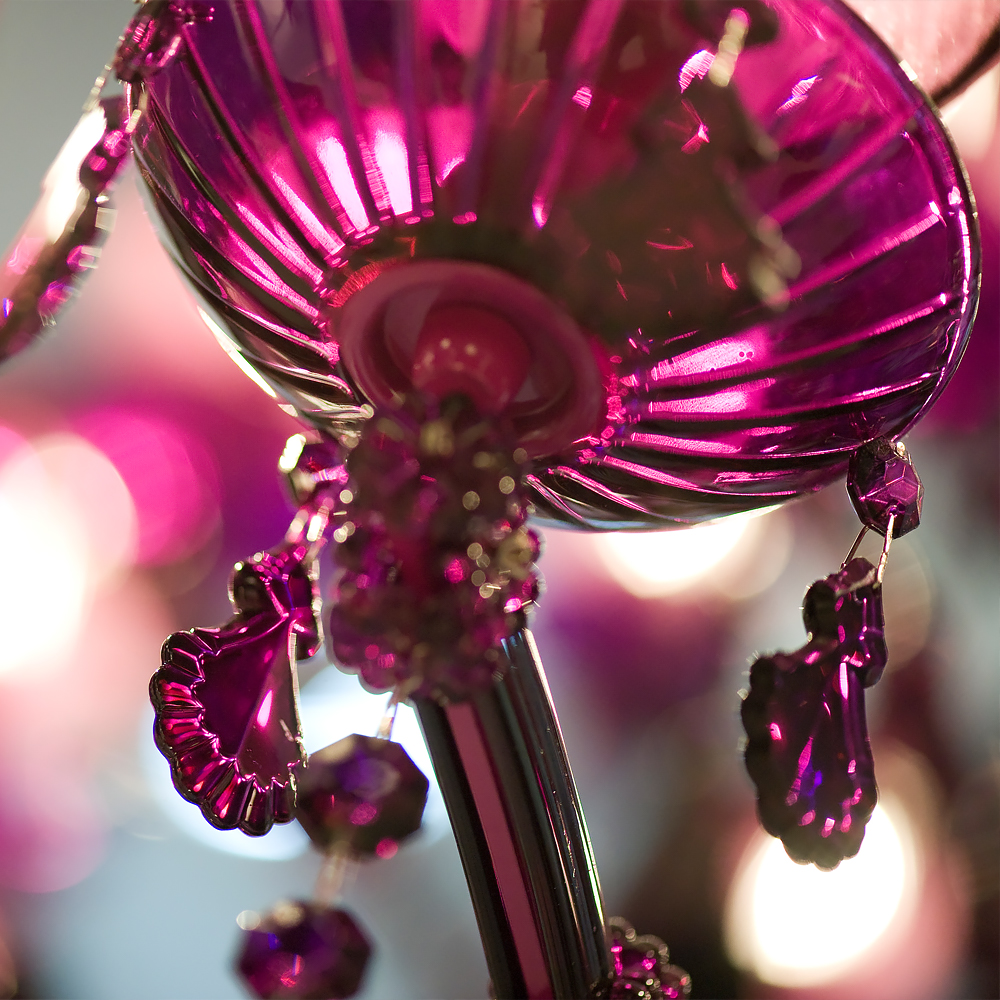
301,951
361,792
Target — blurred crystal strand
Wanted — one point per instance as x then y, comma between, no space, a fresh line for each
62,237
153,37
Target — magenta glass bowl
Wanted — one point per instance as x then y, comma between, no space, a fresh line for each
725,289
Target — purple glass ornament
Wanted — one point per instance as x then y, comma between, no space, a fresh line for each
807,749
61,240
737,248
301,951
882,483
226,699
362,792
640,966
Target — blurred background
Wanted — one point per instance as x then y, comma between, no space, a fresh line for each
137,464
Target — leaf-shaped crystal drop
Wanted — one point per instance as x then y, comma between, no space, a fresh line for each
227,698
807,749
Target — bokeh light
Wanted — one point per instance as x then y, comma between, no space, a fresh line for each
170,477
794,925
715,555
66,520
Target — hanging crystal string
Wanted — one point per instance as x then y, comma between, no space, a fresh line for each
807,749
340,863
338,867
385,726
883,559
62,238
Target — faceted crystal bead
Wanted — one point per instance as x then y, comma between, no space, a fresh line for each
881,482
300,950
361,792
311,466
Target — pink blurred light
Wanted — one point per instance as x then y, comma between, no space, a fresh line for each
264,712
697,66
450,133
363,813
391,156
10,442
55,734
334,159
798,94
51,834
386,849
171,478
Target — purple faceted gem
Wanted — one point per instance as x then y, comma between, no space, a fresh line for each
311,467
363,792
226,698
303,951
640,966
882,482
804,716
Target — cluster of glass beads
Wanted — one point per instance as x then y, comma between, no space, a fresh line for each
437,564
641,968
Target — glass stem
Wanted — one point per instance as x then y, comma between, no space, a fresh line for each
502,766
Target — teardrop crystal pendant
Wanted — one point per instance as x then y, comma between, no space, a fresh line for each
807,749
807,737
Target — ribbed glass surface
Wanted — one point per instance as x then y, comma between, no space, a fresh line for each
753,216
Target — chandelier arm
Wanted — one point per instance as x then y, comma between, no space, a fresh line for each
505,775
